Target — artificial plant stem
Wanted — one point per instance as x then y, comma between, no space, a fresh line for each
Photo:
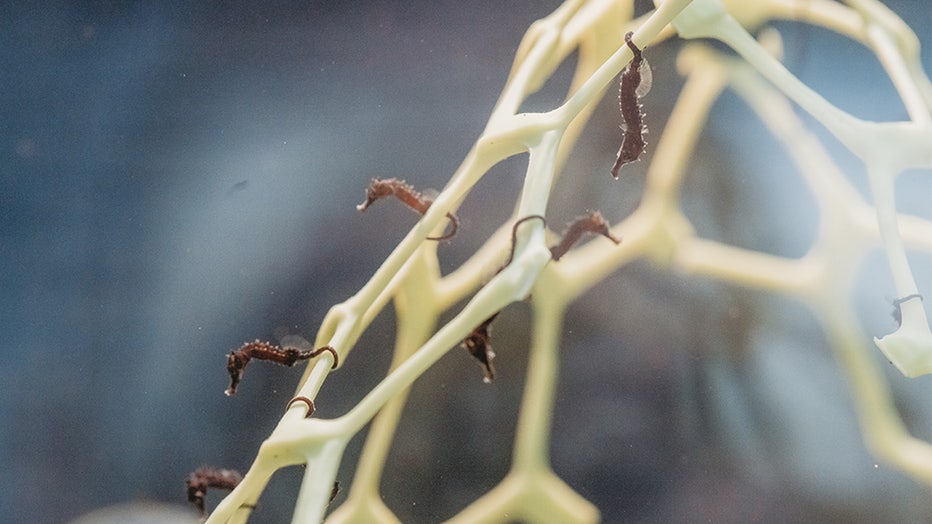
317,486
884,431
513,283
596,83
236,507
417,312
532,440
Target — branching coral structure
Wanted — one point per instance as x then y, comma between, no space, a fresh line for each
658,230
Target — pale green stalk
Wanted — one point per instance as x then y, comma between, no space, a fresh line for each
658,230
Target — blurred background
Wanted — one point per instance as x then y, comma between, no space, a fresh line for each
176,180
